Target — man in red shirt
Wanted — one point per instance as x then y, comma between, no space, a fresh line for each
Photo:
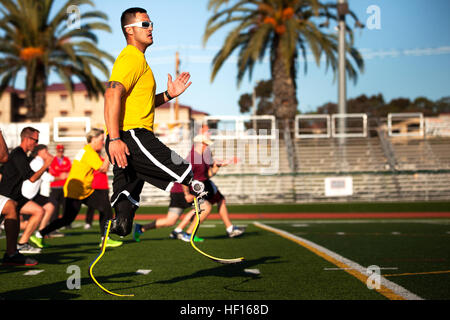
60,169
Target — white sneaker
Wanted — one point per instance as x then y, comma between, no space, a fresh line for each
26,248
236,232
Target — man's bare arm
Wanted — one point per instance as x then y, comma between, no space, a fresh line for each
47,161
105,166
4,155
113,97
160,99
187,195
118,150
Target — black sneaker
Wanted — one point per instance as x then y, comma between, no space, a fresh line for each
176,235
18,259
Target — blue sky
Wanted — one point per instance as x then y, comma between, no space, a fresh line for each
409,56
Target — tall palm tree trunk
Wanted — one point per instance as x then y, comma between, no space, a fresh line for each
285,97
35,91
285,102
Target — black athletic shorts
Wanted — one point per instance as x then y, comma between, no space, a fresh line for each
39,199
177,200
149,161
57,196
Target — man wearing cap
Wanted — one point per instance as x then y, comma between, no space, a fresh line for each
204,168
59,168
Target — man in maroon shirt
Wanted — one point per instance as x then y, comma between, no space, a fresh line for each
181,197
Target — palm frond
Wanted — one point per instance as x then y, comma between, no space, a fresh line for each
48,45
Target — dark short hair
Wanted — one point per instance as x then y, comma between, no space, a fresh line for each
36,150
128,16
27,132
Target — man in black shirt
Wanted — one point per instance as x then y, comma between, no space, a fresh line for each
15,171
8,211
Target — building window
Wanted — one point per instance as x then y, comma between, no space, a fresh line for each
63,97
87,113
63,113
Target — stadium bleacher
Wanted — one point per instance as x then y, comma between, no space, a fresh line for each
382,168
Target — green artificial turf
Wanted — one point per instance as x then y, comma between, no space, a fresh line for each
288,271
325,207
178,272
415,249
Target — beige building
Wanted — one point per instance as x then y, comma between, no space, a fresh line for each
61,105
6,102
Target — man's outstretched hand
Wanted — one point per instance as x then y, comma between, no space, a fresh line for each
181,83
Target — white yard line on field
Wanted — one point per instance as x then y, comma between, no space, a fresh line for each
387,288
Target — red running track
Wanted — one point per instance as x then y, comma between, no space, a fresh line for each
305,215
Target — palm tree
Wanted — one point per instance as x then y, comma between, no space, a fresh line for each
283,29
40,43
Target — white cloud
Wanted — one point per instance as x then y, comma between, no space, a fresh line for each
368,54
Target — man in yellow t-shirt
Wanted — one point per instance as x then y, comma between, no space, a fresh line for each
130,102
78,187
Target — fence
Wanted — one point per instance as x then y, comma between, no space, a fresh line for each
400,158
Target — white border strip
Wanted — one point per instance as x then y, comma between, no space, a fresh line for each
128,195
395,288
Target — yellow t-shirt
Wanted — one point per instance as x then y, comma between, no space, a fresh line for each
79,182
138,107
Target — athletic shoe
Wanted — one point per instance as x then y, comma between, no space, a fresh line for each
176,235
186,237
236,232
87,226
110,243
55,234
39,242
26,248
18,259
137,232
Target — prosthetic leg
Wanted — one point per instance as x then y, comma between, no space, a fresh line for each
102,252
199,189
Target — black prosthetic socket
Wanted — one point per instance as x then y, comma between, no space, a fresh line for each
123,223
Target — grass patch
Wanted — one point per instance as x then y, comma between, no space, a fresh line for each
323,207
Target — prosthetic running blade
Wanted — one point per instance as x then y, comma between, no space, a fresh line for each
219,260
102,252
